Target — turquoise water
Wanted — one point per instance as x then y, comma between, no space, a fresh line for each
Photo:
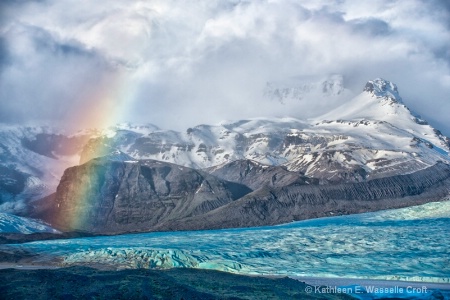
404,244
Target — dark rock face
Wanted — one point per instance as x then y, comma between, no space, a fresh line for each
105,196
256,175
269,206
96,147
369,87
114,197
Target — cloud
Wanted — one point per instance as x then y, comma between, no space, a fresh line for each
42,77
178,64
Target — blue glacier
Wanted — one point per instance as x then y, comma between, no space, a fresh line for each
409,244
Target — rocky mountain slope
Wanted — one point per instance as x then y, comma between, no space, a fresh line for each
256,175
111,196
276,205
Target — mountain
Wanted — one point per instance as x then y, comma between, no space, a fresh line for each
371,136
13,224
293,202
374,136
106,195
32,160
256,175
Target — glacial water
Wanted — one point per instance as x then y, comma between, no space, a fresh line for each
410,244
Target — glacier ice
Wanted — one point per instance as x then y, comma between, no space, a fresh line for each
408,244
10,223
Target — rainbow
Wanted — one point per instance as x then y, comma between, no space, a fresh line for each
108,103
105,104
75,202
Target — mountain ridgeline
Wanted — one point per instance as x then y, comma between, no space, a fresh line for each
371,153
117,197
373,135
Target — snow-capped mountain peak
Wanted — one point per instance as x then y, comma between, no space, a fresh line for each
380,100
381,88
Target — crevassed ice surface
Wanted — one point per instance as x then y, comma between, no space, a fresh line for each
14,224
403,244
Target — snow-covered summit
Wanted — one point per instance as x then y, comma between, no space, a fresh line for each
382,88
380,100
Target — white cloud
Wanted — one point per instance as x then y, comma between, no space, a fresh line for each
177,63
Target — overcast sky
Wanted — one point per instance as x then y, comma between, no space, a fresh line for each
181,63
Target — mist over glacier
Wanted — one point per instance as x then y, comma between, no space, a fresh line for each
178,64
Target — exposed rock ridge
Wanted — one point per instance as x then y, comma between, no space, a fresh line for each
382,88
256,175
118,197
269,206
113,196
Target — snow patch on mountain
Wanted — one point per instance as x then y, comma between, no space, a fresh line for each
32,160
14,224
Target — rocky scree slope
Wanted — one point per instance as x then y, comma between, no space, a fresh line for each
276,205
106,196
256,175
